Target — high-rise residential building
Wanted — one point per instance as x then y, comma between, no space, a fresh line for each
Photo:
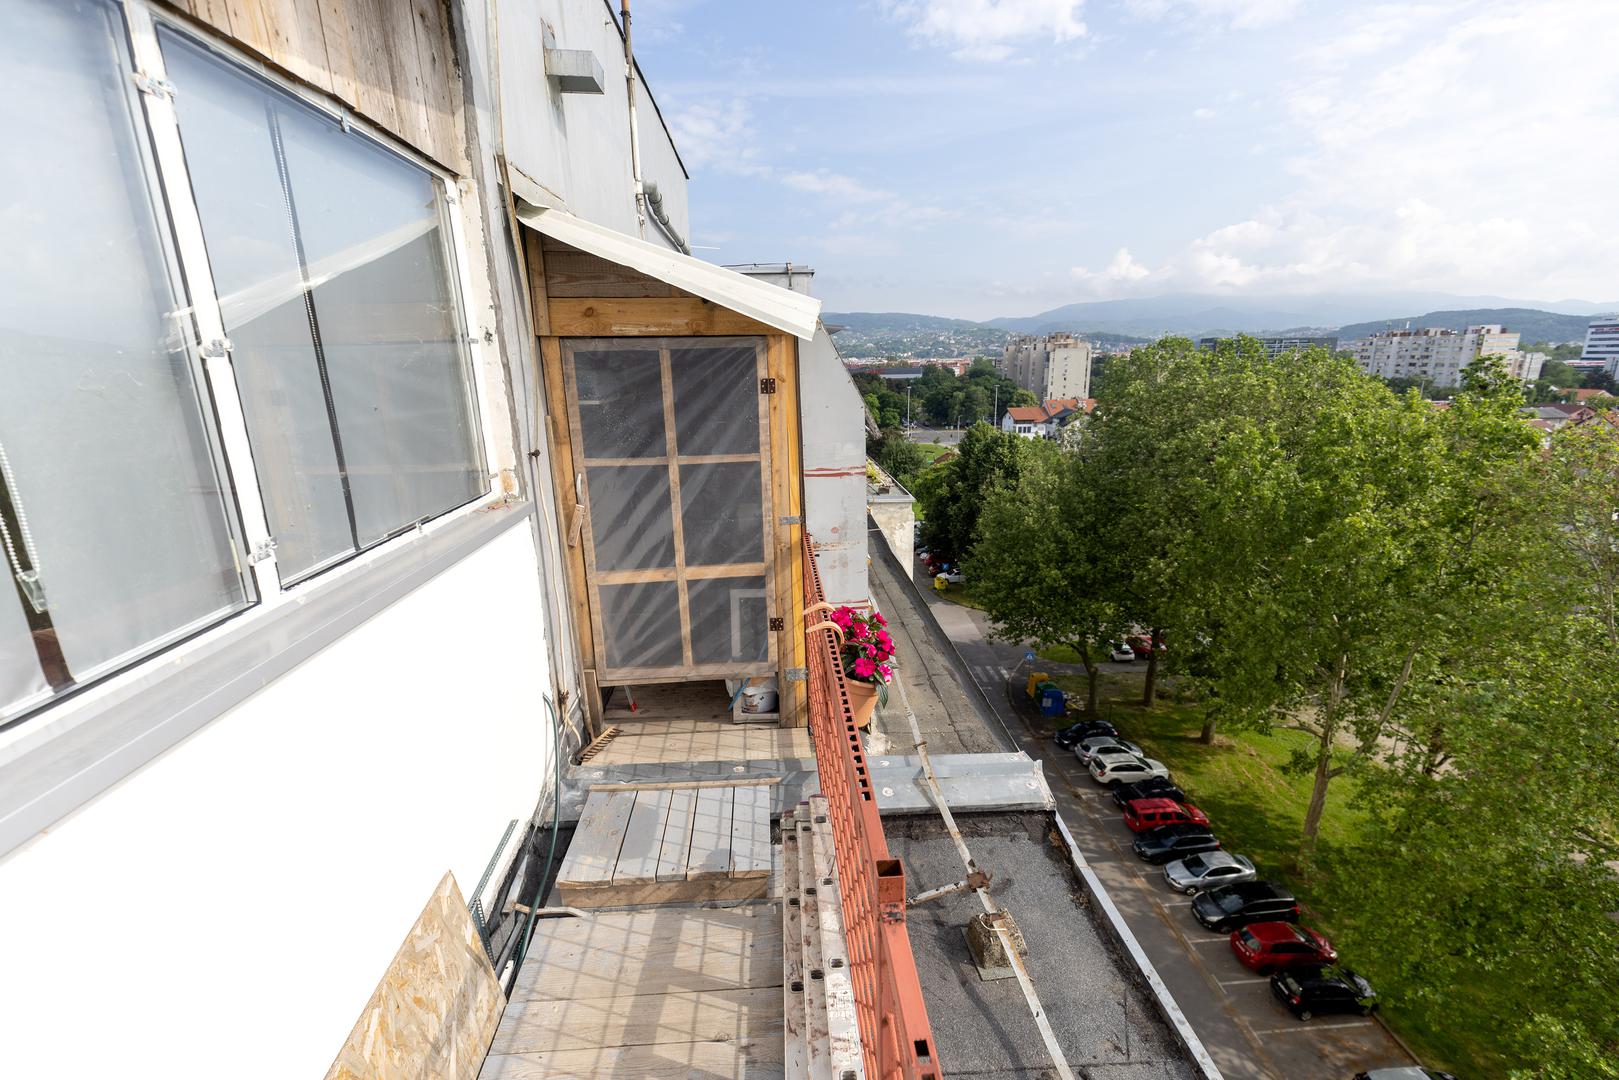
1276,346
1601,345
1054,366
1440,356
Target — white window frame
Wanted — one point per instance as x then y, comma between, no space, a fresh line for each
143,21
227,422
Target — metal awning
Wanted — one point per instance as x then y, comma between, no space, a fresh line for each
788,311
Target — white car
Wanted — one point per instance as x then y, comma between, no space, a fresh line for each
954,577
1195,873
1104,746
1120,652
1118,770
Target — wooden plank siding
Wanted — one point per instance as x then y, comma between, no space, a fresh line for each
390,61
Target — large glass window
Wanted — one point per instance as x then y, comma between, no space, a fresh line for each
329,255
115,524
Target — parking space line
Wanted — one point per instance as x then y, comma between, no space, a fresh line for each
1305,1025
1237,982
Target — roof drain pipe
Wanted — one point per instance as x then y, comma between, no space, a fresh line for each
977,883
654,203
635,138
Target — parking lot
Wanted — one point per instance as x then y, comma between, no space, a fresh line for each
1248,1033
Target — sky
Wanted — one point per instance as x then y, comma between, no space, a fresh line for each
978,158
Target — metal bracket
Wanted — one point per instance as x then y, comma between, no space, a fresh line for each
216,348
792,519
159,88
767,385
262,550
796,674
777,623
28,581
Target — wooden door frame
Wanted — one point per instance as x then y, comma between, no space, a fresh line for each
654,309
680,573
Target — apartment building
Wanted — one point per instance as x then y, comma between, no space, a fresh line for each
1277,346
1054,366
1440,356
1601,345
411,546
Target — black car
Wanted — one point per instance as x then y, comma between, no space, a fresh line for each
1405,1072
1176,841
1154,787
1231,907
1069,737
1311,992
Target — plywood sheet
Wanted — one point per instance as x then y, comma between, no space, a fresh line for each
437,1006
752,1060
638,1019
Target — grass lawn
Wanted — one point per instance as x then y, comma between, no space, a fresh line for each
957,594
932,451
1257,810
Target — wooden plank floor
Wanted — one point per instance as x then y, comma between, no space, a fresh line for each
644,844
645,742
658,994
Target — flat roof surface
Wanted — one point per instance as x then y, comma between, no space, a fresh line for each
1104,1018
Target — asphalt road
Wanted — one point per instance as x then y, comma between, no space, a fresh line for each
942,436
1247,1032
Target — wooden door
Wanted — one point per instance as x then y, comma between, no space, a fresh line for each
671,444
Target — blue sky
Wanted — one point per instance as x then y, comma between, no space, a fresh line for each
1001,157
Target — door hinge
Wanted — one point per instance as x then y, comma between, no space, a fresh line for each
216,348
262,550
161,88
796,674
777,623
792,519
767,385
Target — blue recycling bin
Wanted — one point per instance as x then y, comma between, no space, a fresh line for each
1052,701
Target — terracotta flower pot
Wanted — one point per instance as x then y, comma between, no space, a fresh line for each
862,701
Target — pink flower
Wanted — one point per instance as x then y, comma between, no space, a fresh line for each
843,617
877,617
884,640
864,669
884,672
871,651
859,631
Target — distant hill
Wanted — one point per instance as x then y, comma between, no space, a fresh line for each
894,322
1531,323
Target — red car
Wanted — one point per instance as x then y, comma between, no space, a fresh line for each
1141,645
1266,947
1144,814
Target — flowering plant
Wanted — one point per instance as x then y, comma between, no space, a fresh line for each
866,649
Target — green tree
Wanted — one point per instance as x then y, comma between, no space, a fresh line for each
1040,566
985,460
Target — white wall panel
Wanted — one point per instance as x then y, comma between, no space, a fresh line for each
228,909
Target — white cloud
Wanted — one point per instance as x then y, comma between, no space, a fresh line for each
988,30
1466,146
1238,14
718,136
1203,114
1123,270
835,185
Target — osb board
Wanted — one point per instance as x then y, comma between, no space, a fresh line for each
437,1007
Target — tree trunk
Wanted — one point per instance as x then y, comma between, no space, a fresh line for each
1150,687
1207,737
1323,757
1434,752
1084,650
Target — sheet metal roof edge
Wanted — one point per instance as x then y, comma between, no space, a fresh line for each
1168,1008
788,311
